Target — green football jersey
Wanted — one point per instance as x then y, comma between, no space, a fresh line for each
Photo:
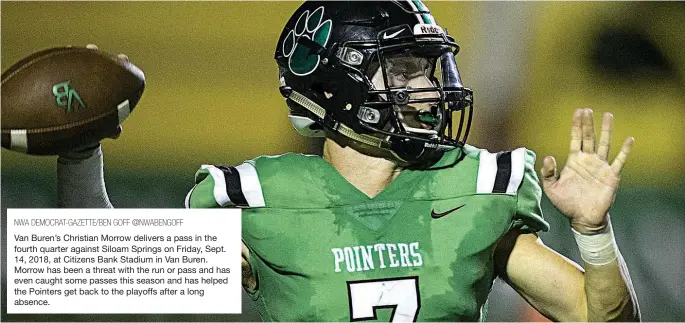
421,250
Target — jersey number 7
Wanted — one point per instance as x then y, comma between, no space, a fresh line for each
401,294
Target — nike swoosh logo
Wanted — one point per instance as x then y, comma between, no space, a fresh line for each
386,36
439,215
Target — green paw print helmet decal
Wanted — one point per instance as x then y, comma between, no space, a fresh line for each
312,26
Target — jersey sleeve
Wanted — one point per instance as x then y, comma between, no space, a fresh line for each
226,186
528,215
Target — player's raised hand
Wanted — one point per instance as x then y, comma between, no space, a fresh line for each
586,186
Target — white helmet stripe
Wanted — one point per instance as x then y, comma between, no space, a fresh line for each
413,7
423,18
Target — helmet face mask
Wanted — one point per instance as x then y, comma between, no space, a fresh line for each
401,73
386,77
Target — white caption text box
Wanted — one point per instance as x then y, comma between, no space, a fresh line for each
97,261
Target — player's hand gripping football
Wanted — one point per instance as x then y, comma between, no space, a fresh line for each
586,186
86,151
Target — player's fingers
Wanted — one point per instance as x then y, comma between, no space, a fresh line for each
548,171
249,280
605,137
588,132
92,46
620,160
245,252
576,131
123,57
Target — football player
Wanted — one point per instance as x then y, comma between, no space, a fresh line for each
401,220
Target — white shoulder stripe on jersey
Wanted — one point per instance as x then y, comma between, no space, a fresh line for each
487,171
220,195
187,203
249,182
517,167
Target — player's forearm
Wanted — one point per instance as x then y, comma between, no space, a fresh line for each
80,180
609,292
608,289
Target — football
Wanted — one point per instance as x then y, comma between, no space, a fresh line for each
65,97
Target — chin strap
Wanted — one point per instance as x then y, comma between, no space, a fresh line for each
344,130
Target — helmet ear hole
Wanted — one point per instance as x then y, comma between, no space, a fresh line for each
319,89
324,91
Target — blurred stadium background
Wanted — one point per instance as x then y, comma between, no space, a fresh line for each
212,97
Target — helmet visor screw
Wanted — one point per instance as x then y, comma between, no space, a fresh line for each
401,97
355,58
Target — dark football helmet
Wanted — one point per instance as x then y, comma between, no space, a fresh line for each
329,51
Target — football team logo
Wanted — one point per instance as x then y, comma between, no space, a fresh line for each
300,61
65,95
